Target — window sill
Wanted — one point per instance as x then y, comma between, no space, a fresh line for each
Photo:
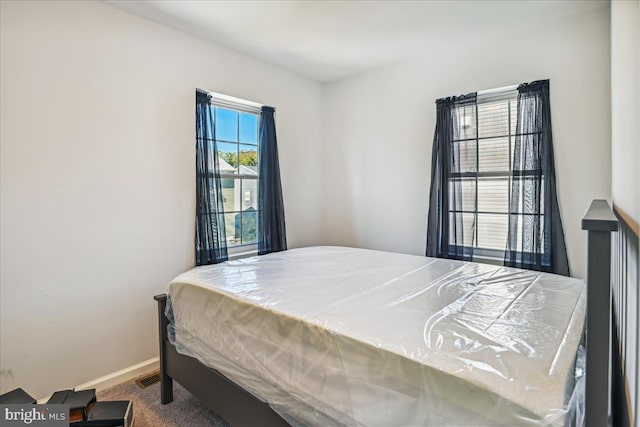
485,259
245,251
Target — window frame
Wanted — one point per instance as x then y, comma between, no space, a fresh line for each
238,105
510,95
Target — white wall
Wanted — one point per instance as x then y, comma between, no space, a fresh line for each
625,106
97,179
379,129
625,151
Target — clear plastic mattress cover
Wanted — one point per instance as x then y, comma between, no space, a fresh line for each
343,336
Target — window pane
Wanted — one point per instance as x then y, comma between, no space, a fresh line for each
231,194
528,152
492,231
461,229
209,153
249,195
493,119
211,182
209,218
493,194
463,156
248,128
249,227
226,124
526,230
465,122
228,157
530,195
513,105
512,146
232,228
248,159
462,195
494,155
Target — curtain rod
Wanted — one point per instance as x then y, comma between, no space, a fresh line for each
485,94
231,99
497,90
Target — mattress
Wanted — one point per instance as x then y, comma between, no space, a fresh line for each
343,336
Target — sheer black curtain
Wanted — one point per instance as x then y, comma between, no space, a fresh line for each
210,241
272,235
535,235
450,231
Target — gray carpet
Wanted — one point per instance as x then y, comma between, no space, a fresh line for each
185,410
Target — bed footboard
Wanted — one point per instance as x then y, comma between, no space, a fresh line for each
599,221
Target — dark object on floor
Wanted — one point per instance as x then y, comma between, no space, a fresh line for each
185,410
17,396
79,402
110,414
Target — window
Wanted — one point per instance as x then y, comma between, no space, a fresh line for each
236,135
493,188
482,158
239,203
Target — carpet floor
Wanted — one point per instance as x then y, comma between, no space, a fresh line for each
185,410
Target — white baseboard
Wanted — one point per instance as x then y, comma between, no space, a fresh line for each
118,377
122,375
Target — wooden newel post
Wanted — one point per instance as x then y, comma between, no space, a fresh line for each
599,221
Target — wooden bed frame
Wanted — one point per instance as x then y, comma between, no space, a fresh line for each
240,408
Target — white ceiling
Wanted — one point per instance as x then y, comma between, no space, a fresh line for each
329,40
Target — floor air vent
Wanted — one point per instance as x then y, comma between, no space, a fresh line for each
148,380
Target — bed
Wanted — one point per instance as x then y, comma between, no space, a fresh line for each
342,336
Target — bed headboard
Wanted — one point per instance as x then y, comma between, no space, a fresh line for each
612,311
624,325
